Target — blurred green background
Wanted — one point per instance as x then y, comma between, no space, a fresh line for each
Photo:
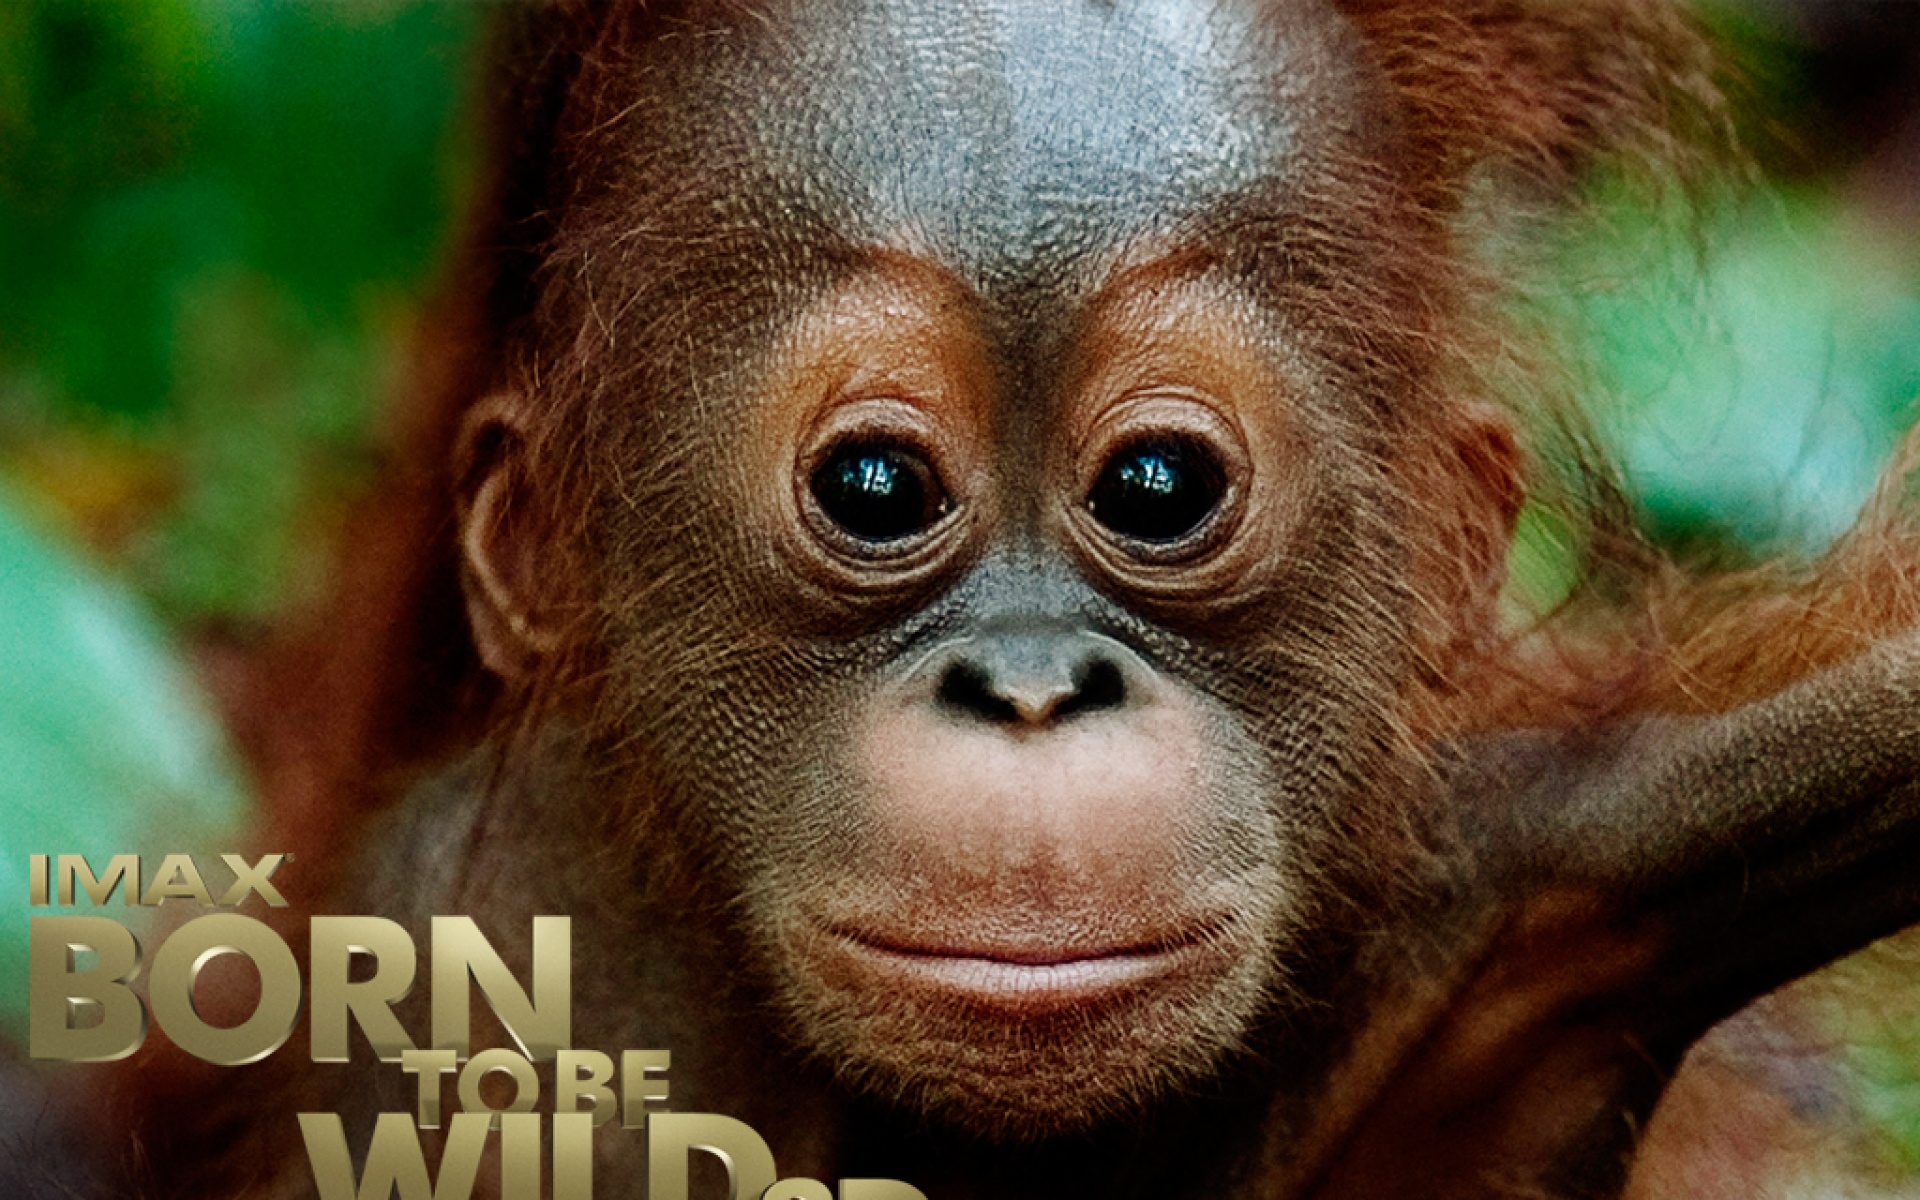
219,221
216,220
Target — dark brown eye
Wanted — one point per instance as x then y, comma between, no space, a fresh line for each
1158,489
877,492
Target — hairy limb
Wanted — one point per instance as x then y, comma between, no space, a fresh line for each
1763,842
1614,895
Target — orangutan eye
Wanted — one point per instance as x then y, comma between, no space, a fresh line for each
878,492
1158,489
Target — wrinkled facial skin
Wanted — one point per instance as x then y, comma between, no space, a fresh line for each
1002,585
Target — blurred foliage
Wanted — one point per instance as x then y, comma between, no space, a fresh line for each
1756,392
1753,363
216,219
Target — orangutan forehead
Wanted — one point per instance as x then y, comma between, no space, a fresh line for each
1011,138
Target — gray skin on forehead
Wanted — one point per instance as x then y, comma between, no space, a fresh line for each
1016,140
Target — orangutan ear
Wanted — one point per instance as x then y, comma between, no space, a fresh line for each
505,540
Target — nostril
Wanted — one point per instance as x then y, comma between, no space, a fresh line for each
1098,685
965,688
1030,693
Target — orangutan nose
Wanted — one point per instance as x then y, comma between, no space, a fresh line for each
1033,678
